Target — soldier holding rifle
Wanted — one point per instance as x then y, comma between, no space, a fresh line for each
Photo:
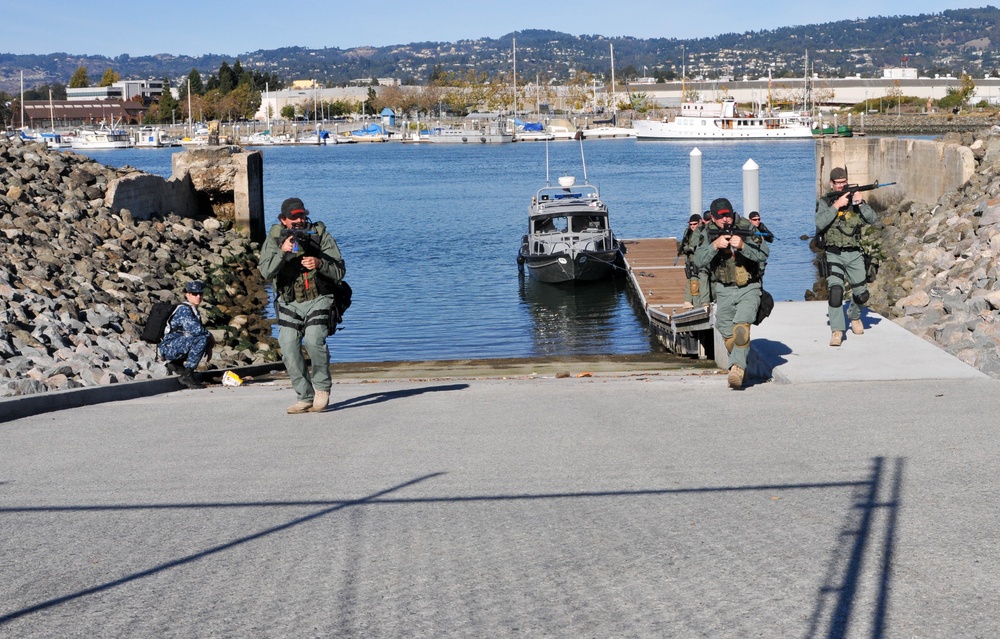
689,242
734,254
305,263
841,216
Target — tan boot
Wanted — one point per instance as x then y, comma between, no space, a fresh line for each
299,407
857,327
735,378
837,338
320,402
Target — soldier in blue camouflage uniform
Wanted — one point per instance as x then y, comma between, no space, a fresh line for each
186,340
305,275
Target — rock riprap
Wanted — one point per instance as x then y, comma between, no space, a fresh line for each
77,280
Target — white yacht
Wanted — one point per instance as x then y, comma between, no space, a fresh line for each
722,121
102,138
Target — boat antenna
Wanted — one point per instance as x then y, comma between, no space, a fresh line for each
584,160
547,182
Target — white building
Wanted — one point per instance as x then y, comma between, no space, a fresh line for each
899,73
125,90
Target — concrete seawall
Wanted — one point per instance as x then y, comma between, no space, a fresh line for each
923,170
221,181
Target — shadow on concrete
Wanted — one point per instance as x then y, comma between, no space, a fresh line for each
205,553
378,398
868,319
12,408
765,356
838,594
836,599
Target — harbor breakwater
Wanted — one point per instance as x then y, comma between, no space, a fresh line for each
78,278
920,123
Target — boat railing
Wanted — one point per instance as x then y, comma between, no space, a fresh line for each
556,193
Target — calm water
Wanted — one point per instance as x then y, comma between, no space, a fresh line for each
430,235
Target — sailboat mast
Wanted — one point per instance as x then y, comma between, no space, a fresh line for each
514,52
614,104
538,99
805,84
52,113
683,72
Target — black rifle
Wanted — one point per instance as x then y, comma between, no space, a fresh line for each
851,189
715,232
300,237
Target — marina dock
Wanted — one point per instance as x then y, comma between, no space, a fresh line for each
656,276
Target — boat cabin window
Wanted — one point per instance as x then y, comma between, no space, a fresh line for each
588,223
551,225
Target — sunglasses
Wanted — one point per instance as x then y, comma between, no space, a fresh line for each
190,293
295,216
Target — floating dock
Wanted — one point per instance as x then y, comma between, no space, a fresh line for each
656,275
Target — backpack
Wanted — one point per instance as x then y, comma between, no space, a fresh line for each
156,323
341,302
765,307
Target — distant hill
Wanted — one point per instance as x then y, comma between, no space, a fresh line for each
948,42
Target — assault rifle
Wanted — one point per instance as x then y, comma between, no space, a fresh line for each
851,189
300,237
715,232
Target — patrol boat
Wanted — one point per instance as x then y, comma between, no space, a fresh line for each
569,235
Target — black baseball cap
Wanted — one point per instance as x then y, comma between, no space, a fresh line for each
292,206
721,207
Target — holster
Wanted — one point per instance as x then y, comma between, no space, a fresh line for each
822,265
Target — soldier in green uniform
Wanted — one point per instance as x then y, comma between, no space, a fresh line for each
305,263
689,242
838,226
734,255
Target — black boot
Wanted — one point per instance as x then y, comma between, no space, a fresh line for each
175,367
187,379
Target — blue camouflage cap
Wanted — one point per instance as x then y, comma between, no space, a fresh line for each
194,287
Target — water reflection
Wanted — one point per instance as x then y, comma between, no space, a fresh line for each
573,319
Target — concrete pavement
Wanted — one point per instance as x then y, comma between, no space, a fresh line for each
620,505
793,346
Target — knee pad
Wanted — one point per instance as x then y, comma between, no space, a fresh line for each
729,343
741,335
836,296
862,298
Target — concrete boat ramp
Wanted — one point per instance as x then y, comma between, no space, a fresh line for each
790,346
793,346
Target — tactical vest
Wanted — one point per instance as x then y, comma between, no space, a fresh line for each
736,269
292,284
845,232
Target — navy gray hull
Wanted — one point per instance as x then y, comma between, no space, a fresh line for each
584,267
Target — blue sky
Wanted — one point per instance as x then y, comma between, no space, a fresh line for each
113,27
